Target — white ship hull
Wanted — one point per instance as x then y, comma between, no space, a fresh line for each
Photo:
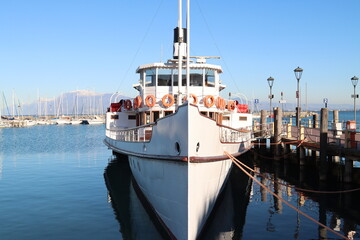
182,169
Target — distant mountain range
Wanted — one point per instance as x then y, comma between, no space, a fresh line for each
81,102
84,102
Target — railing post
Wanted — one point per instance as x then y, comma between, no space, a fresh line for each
315,121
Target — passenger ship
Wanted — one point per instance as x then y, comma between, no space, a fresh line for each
175,134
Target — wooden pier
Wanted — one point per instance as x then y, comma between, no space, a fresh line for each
328,141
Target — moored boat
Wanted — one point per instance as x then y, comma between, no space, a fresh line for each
175,133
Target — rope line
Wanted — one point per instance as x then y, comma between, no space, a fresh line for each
293,187
282,200
283,155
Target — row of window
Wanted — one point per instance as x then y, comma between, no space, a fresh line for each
169,77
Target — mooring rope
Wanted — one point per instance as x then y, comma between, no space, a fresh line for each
296,188
284,155
281,199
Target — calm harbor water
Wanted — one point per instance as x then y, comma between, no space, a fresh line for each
61,182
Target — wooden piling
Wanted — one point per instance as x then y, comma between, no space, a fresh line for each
348,170
336,116
277,130
263,129
323,143
263,126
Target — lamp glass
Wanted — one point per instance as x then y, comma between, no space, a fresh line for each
354,81
270,81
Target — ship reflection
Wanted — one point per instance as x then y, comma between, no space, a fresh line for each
226,222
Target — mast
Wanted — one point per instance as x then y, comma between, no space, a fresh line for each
187,48
180,57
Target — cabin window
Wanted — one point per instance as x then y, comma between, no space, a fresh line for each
226,118
156,115
164,77
242,118
210,78
196,77
211,115
167,112
204,113
114,116
131,117
150,77
147,118
176,78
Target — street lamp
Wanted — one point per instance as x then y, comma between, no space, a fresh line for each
271,96
298,72
354,81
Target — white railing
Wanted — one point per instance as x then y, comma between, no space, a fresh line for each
139,134
230,135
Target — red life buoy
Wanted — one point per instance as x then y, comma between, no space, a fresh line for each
193,97
150,100
137,102
127,104
209,101
167,100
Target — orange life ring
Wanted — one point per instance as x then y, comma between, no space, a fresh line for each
127,104
193,97
231,105
167,100
150,100
220,103
137,102
209,101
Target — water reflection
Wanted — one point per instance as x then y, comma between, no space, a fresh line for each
131,215
226,221
340,212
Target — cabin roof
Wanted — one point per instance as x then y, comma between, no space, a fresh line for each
174,66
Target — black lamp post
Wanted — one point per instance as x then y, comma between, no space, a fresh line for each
298,72
271,96
354,81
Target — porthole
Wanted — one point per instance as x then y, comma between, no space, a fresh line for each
177,147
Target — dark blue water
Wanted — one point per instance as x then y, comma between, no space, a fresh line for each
61,182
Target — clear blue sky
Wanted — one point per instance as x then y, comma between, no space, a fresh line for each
62,45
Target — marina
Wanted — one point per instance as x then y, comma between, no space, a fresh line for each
185,143
54,188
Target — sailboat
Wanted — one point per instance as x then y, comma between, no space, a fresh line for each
175,134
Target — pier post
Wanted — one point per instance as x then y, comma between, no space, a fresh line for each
323,143
336,116
277,130
263,125
263,128
301,150
348,170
